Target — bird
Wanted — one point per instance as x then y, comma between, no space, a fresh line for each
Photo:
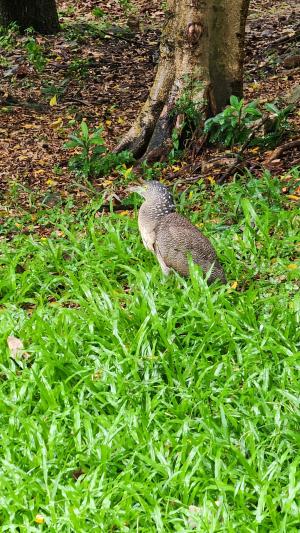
171,236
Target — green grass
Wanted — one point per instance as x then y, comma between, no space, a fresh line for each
167,393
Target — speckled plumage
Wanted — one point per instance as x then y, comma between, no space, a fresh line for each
170,236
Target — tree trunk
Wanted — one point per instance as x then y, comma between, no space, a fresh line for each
41,15
201,51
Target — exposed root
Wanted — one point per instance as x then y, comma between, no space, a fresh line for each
201,45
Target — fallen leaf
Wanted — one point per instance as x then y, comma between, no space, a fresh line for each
106,183
234,285
16,348
211,180
293,197
195,514
53,101
39,519
31,126
292,266
57,123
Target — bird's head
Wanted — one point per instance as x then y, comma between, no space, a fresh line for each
153,191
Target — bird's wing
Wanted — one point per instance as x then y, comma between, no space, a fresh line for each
187,238
177,239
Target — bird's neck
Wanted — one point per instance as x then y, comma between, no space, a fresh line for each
156,210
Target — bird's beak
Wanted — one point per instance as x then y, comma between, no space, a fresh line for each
136,188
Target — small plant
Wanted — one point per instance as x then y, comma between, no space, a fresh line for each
57,170
175,152
79,67
277,126
152,172
34,52
4,61
52,89
84,31
93,157
233,125
98,12
127,6
70,10
189,105
8,36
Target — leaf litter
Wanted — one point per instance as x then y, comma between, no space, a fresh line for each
100,70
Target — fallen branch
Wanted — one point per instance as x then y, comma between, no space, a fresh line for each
237,165
284,39
13,102
281,149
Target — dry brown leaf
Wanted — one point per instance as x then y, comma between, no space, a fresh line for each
31,126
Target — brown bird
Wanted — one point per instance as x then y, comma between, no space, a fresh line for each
170,236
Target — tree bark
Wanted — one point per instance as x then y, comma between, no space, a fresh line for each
202,46
41,15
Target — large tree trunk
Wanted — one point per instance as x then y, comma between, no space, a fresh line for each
202,46
38,14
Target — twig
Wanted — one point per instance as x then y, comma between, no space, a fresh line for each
283,148
130,40
284,39
235,166
11,102
198,147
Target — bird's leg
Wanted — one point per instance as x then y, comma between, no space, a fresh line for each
163,265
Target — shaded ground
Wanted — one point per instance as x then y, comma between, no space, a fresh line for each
101,68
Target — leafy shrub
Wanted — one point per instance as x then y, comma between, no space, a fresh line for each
277,126
188,106
34,52
8,36
233,125
93,157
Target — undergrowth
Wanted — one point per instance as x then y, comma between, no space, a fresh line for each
237,122
148,403
92,157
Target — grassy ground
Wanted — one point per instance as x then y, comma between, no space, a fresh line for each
148,403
